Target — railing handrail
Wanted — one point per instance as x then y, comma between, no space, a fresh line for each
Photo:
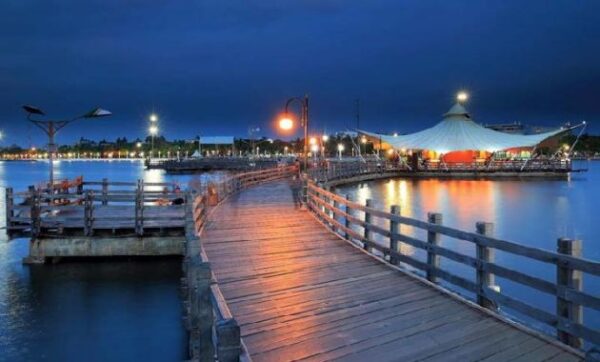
546,256
329,206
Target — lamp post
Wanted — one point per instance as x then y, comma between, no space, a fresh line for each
51,127
340,148
324,140
286,123
153,129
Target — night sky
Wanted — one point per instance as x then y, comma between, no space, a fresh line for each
218,67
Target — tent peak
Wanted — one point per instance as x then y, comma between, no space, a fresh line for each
457,110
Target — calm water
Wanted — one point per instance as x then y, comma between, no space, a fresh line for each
533,212
101,311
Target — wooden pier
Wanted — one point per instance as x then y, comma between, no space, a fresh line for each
318,284
298,291
282,268
98,218
190,165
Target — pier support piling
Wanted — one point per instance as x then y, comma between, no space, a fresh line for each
569,278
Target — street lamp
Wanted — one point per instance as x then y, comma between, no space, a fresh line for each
340,148
51,127
153,131
286,122
314,149
324,139
462,97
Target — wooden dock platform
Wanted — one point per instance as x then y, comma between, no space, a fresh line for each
300,292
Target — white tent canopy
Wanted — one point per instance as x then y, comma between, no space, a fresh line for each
458,132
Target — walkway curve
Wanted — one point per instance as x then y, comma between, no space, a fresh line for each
301,293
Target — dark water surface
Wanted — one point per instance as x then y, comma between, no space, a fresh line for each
531,212
126,310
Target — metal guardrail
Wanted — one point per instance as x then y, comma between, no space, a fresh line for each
342,215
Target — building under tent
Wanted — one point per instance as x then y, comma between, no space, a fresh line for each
215,145
458,139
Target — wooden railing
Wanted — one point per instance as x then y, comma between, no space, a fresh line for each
336,170
501,165
214,332
92,206
343,216
341,170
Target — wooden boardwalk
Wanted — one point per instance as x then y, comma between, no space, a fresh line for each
301,293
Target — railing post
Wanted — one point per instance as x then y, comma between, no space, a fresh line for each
347,223
334,215
305,189
88,213
367,233
327,200
569,278
36,219
485,280
433,260
394,230
229,345
139,208
201,311
9,205
104,191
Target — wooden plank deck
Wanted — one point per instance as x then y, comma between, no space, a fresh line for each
300,293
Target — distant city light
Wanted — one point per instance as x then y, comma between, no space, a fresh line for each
153,117
395,134
325,138
312,141
138,145
340,147
462,97
314,148
153,130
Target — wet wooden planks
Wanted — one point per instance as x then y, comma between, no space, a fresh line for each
300,293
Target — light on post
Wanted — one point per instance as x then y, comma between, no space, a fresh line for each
286,124
462,97
340,149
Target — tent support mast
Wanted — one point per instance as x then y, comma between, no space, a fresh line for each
572,148
527,160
